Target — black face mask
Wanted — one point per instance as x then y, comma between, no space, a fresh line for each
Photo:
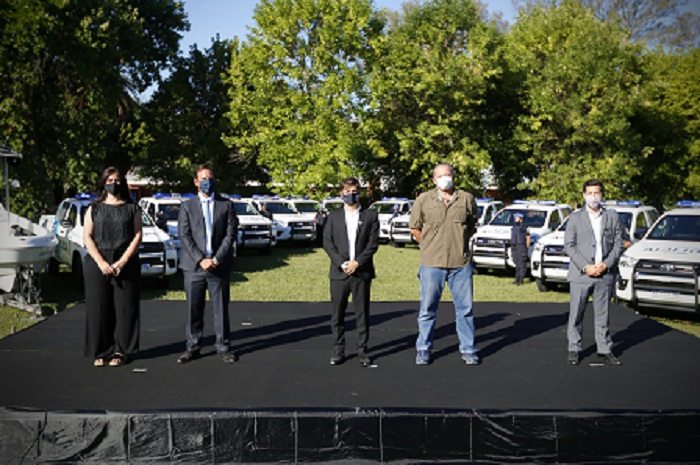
112,188
351,199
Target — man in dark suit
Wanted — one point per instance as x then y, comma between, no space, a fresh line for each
593,241
207,226
351,238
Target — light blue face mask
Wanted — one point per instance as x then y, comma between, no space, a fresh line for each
207,186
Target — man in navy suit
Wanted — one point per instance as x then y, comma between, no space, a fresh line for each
351,238
207,226
593,241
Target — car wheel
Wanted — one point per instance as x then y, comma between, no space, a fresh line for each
53,266
543,286
77,271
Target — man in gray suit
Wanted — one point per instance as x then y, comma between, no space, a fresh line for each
207,225
593,241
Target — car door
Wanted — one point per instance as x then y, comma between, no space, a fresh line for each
62,230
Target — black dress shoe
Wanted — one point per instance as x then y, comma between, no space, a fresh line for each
573,358
188,356
337,359
609,359
364,359
228,357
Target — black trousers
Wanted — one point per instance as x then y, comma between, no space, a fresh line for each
520,259
340,293
196,285
113,310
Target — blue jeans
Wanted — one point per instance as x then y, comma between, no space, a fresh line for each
432,283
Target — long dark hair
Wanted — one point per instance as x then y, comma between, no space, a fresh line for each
122,192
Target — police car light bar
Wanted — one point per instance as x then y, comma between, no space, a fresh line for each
688,204
234,196
538,202
393,199
484,199
265,197
85,196
623,203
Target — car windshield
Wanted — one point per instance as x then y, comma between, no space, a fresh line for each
306,207
479,210
562,227
171,211
531,218
333,205
244,208
385,207
278,207
677,228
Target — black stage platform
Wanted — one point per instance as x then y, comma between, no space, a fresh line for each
283,401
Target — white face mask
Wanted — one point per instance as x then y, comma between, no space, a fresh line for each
593,201
444,182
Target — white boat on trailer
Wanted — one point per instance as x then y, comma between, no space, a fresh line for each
25,247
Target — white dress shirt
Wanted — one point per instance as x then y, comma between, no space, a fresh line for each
352,224
208,202
597,224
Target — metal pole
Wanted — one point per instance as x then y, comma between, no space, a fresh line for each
7,187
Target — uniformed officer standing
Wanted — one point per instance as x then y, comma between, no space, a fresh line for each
520,243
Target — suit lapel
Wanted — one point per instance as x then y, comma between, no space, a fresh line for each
343,231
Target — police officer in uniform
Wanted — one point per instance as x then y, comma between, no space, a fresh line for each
519,243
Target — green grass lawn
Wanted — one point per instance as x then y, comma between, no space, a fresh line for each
300,274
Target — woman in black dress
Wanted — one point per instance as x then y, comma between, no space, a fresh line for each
112,235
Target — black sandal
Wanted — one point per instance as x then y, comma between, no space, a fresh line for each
117,360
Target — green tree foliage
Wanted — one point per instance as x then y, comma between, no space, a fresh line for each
69,70
185,121
298,89
669,120
654,22
579,84
437,66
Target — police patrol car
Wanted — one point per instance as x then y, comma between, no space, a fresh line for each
388,209
157,252
549,263
491,243
166,207
254,230
662,269
331,203
305,206
291,226
487,209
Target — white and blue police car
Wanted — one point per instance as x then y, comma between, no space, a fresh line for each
662,270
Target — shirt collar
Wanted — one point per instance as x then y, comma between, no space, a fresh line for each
593,214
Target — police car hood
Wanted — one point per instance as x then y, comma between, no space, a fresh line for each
670,251
495,231
154,234
285,217
253,219
555,238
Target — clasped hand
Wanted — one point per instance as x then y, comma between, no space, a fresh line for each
110,270
595,271
208,264
349,267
